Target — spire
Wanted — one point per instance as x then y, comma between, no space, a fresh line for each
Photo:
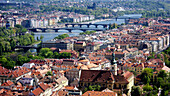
113,64
113,61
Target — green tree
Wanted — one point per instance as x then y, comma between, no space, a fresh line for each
160,81
147,75
3,60
134,72
37,38
24,30
49,73
158,56
22,59
18,26
12,43
65,55
98,87
147,87
61,36
90,88
41,37
162,74
10,64
46,52
136,91
56,55
85,89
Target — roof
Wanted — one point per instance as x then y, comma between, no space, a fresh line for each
101,76
71,88
8,83
61,79
97,93
96,76
44,86
37,91
120,79
167,69
128,74
62,93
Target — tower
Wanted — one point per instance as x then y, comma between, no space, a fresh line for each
94,6
113,64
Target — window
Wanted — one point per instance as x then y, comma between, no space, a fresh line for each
81,84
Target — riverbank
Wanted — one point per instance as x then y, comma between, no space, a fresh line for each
36,42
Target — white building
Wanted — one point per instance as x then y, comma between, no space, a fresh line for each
28,65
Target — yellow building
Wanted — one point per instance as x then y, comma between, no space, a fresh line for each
79,45
136,67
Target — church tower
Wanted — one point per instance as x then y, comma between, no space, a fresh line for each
113,64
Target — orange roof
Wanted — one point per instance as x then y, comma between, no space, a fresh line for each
37,91
44,86
8,83
69,87
128,74
62,93
97,93
154,39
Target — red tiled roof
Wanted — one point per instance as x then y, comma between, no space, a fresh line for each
128,74
44,86
62,93
97,93
96,76
37,91
8,83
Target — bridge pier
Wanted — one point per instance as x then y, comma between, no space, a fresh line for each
73,26
26,49
33,30
88,26
69,30
96,26
80,26
104,26
43,30
83,30
56,30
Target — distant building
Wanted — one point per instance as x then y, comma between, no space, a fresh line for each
26,23
92,7
58,44
28,65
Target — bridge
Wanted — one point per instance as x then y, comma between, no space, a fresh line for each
69,29
87,25
127,17
26,48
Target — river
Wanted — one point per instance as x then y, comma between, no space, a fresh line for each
51,34
48,35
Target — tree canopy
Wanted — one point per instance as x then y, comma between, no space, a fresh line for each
136,90
61,36
147,75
